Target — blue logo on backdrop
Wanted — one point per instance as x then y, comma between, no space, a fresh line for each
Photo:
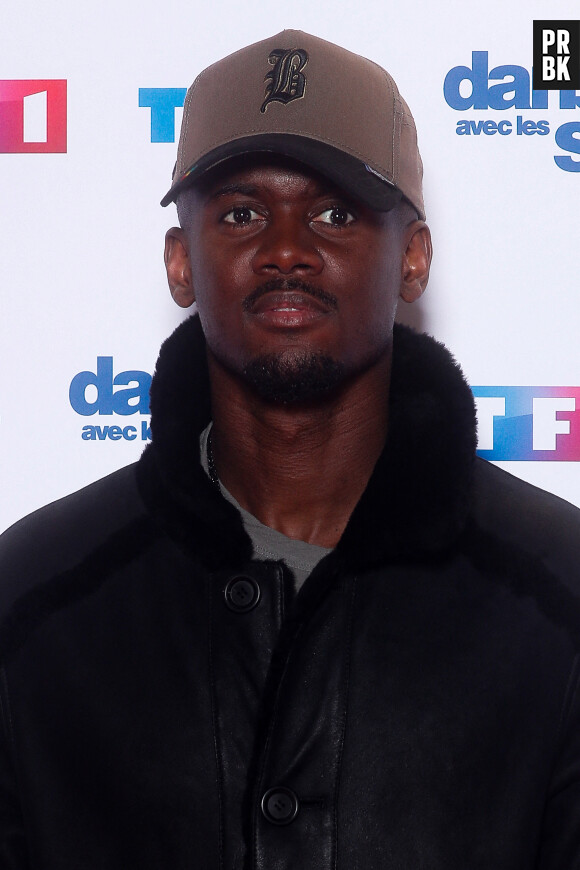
510,87
163,102
123,394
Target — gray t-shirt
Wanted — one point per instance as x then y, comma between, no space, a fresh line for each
300,556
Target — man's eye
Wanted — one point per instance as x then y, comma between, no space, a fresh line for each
338,216
241,214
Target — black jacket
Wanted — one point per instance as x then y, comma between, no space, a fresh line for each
415,707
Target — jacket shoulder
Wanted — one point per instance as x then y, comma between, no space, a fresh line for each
59,536
525,519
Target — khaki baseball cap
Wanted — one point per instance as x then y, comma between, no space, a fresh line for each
310,100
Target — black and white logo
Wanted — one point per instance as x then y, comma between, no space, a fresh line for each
556,55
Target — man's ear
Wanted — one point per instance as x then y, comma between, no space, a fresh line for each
416,260
178,267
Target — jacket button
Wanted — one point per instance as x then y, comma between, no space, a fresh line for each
280,805
242,594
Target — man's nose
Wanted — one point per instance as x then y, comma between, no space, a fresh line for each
288,246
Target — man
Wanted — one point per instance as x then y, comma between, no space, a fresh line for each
309,629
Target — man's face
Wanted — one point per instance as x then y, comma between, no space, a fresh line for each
293,280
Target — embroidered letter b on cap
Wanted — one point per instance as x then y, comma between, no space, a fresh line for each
286,81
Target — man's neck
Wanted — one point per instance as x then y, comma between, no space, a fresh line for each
299,469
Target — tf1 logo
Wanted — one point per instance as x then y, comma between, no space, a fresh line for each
32,116
527,423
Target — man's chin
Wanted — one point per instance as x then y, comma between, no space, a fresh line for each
293,378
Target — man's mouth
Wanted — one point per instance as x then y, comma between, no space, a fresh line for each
287,300
289,303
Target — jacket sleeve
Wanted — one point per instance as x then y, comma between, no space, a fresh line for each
560,842
13,847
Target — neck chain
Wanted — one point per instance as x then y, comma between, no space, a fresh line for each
213,475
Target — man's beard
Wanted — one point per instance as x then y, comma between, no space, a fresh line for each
294,377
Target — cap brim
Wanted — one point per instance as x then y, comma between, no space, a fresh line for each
347,172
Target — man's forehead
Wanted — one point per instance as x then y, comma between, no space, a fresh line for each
246,174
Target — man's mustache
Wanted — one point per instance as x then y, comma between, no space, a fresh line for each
281,284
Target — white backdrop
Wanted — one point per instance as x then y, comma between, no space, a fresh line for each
82,230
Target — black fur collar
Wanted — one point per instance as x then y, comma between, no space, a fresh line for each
416,502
